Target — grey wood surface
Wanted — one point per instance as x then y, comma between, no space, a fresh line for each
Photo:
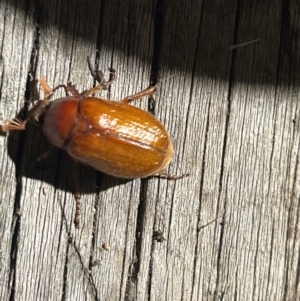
230,231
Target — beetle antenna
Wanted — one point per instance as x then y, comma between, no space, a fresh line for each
15,124
48,91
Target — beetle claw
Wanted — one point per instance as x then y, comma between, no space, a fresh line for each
98,75
112,78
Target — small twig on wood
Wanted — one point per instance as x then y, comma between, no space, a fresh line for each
243,44
200,226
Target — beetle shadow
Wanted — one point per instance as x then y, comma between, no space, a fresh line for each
25,148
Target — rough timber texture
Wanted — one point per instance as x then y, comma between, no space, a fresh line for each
231,230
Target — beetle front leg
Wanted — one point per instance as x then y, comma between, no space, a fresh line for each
92,91
44,156
69,89
147,92
98,75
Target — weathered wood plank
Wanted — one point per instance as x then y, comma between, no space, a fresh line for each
16,41
190,268
231,229
252,232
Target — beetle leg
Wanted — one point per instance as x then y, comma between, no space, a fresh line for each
38,109
98,75
92,91
163,174
43,162
103,85
77,197
71,89
76,194
147,92
106,84
113,76
45,155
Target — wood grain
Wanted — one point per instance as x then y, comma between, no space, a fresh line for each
230,231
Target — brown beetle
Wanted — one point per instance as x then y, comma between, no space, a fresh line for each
113,137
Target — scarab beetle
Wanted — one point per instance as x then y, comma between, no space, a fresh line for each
113,137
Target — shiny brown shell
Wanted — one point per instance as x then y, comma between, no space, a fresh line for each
113,137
